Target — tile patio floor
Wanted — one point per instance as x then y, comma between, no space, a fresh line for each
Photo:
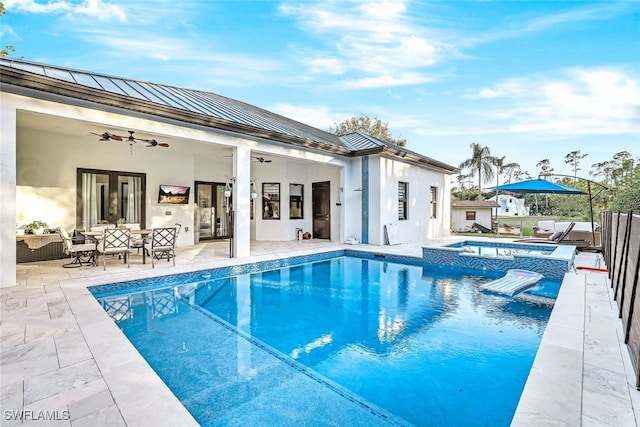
61,353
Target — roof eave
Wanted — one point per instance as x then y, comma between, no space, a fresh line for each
419,159
11,76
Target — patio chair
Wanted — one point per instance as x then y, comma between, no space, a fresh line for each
115,241
162,245
137,241
82,253
557,238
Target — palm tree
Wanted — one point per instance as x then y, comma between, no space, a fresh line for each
498,162
480,162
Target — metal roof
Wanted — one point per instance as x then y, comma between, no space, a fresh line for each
474,204
194,106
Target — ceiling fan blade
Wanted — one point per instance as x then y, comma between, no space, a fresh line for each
103,136
164,144
267,161
115,137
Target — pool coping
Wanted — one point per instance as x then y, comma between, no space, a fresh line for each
604,395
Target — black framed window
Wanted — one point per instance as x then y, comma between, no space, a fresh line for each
434,202
296,195
271,200
106,197
403,206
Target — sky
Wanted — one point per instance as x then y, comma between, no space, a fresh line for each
531,80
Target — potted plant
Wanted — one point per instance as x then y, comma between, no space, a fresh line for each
36,227
121,222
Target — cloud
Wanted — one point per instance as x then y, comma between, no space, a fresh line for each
92,8
579,101
374,44
388,80
319,116
516,26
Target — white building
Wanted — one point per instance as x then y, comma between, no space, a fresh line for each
472,215
67,160
510,206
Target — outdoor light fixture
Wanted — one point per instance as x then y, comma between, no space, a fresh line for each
254,193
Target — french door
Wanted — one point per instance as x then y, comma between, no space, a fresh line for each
320,197
104,197
213,215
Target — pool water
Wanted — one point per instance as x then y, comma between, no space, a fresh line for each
502,250
411,345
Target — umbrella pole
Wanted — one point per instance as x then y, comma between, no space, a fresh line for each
593,231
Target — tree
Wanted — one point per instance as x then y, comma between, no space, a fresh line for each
7,49
480,163
602,169
573,159
622,166
545,167
519,175
498,162
374,127
627,197
510,170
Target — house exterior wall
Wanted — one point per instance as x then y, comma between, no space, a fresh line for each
285,173
7,191
459,218
352,198
385,174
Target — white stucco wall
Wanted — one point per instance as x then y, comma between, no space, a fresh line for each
285,173
7,191
353,200
419,225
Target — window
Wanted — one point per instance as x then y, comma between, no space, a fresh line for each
403,189
434,202
296,192
270,200
471,215
103,197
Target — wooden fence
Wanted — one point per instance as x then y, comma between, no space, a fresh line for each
621,251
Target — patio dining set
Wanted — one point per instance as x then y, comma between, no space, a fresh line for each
111,241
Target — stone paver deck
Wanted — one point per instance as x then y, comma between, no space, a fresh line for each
62,357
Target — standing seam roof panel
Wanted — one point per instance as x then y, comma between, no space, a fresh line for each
86,80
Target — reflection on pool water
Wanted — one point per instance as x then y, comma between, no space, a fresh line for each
343,341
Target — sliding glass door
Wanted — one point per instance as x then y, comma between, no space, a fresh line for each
104,197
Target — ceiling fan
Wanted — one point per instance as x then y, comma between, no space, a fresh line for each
107,136
261,159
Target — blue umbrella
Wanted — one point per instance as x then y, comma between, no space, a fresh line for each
537,186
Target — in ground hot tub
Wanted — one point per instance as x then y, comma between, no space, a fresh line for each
551,260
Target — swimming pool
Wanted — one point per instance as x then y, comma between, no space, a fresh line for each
344,339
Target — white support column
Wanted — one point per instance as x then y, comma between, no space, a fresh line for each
8,143
241,202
